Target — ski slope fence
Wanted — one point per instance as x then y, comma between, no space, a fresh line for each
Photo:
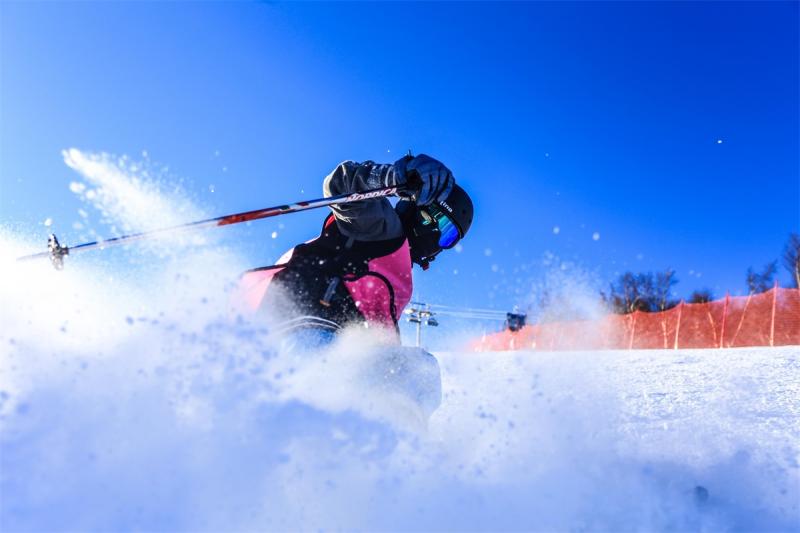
770,318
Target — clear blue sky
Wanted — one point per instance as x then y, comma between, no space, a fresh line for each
592,117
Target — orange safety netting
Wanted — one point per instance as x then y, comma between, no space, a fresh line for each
771,318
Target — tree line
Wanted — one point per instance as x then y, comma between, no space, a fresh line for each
651,291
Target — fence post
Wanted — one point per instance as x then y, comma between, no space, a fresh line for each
678,326
741,320
724,316
633,330
774,305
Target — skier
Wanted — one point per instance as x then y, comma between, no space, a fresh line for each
358,271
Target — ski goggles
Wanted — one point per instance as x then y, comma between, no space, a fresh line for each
448,231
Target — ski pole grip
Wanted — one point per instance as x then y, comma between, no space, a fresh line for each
413,185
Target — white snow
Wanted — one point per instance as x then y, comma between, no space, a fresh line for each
141,408
127,192
152,406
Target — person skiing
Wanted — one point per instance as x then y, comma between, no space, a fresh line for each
358,271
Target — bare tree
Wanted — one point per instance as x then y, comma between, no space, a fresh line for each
625,294
701,296
641,292
662,288
763,281
791,258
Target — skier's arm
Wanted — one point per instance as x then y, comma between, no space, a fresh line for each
370,220
423,179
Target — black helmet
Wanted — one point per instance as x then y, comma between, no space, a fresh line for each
437,226
458,207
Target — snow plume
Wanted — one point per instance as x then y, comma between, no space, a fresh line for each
565,291
131,196
551,289
151,406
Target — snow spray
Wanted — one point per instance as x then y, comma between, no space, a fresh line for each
133,401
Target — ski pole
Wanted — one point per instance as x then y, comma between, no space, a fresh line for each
56,252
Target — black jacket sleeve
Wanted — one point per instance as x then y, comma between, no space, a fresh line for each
368,220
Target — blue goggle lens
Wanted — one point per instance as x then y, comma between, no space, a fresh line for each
448,232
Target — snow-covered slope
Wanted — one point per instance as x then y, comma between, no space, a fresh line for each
677,440
113,420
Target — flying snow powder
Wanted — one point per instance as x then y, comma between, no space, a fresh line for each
166,414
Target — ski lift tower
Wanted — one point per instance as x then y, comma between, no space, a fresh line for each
419,314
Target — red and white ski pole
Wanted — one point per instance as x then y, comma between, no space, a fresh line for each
56,251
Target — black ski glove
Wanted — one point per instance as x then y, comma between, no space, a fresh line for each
425,178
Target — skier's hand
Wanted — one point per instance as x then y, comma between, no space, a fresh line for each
426,179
